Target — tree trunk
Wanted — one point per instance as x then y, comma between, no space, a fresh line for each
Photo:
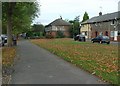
11,6
9,32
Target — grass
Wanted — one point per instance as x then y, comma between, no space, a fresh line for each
98,59
8,55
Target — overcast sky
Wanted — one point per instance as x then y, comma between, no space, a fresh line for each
69,9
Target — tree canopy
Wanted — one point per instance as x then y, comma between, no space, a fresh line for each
85,17
75,26
17,17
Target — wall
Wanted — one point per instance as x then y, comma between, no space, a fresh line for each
54,29
86,29
105,28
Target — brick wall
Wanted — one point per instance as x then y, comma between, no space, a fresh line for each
105,28
65,30
118,38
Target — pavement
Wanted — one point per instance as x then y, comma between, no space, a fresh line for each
35,65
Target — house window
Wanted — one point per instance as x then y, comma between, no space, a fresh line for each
56,28
86,33
101,33
61,29
118,33
96,34
112,34
106,33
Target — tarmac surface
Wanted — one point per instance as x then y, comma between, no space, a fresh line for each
36,65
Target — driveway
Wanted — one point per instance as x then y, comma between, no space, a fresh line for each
38,66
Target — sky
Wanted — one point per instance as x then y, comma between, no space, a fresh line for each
49,10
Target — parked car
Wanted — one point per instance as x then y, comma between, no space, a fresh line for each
101,39
1,41
4,38
80,38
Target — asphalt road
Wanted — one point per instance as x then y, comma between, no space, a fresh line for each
38,66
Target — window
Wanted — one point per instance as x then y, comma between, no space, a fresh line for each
112,34
96,33
118,33
86,33
101,33
56,28
106,33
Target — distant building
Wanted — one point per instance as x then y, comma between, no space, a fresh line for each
106,25
58,25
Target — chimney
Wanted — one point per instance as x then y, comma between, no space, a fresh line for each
60,17
100,14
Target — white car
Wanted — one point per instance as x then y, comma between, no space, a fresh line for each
4,36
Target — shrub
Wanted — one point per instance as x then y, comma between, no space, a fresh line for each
60,34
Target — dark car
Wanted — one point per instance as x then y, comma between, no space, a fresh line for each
101,39
1,41
80,38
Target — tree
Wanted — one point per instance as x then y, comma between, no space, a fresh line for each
77,18
38,29
85,17
17,16
7,18
75,26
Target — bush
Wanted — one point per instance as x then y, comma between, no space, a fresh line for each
60,34
49,36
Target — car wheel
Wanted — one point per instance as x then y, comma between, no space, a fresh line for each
3,45
108,42
92,41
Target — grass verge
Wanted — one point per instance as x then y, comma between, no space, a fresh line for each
98,59
8,55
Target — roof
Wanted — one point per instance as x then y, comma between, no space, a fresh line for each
59,22
102,18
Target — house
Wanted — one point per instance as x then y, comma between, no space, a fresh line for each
58,25
107,25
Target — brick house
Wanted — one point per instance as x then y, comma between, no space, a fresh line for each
107,25
58,25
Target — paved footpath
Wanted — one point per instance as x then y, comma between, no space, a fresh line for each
38,66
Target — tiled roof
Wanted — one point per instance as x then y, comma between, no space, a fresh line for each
59,22
102,18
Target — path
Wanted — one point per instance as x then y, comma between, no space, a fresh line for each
38,66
